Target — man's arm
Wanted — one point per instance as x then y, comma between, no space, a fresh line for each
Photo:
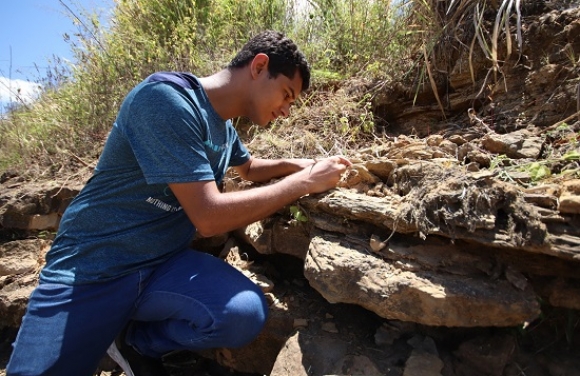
213,212
263,170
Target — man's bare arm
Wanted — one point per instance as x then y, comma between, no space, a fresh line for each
263,170
213,212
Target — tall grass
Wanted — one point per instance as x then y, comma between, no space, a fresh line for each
447,30
355,38
343,39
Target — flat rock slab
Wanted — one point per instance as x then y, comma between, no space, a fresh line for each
344,271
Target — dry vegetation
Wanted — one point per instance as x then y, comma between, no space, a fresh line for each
420,81
356,49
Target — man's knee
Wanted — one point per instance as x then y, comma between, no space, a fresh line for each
244,318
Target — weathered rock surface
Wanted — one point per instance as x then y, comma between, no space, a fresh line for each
434,294
536,85
35,207
300,356
435,246
458,267
410,239
20,262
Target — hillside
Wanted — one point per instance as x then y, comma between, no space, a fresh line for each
451,247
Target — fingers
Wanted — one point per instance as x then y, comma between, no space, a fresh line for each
343,160
338,165
336,159
325,174
330,165
334,163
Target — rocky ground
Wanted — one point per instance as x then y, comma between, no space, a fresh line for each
307,335
451,247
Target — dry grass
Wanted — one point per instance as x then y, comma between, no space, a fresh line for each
325,122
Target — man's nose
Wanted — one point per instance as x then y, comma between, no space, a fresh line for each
285,110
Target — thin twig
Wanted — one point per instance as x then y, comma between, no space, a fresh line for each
432,81
80,160
557,124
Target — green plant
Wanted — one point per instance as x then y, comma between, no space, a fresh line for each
573,155
342,39
354,37
537,171
47,235
297,214
499,161
561,128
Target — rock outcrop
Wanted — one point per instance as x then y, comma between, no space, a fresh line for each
472,226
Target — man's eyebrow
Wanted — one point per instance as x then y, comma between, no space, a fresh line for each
293,94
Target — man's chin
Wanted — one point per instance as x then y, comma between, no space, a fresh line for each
264,124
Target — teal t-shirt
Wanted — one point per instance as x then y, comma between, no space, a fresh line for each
126,217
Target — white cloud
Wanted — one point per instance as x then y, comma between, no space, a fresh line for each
18,91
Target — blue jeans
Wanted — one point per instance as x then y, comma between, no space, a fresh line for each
193,301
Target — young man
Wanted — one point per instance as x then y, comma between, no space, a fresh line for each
121,263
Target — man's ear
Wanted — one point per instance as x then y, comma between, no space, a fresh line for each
259,64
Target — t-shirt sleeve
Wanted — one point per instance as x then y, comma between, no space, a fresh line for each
165,132
240,153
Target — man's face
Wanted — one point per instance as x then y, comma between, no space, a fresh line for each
274,97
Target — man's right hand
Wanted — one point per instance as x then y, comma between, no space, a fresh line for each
325,173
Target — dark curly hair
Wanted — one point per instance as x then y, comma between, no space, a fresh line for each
285,58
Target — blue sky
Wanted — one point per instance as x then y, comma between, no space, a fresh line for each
31,33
